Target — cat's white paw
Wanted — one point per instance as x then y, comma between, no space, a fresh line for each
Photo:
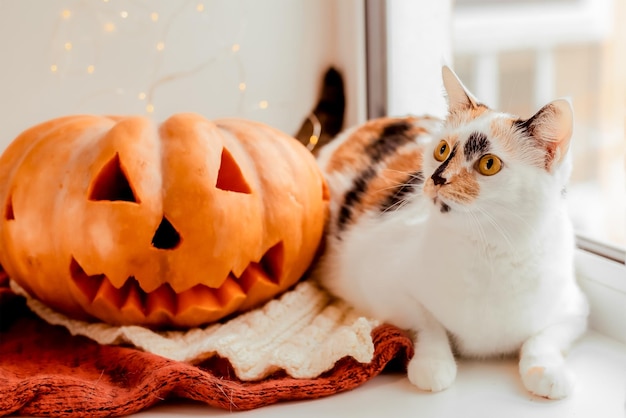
552,382
432,374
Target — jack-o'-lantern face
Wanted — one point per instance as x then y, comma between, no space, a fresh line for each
178,225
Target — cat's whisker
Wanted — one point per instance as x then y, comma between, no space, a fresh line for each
408,188
393,170
393,186
396,206
403,172
478,231
475,227
489,255
401,203
499,228
397,184
458,196
508,211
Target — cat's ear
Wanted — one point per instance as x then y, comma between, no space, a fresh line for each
459,98
552,128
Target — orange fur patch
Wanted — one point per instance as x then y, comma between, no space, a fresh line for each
464,116
463,187
501,130
380,156
351,152
393,174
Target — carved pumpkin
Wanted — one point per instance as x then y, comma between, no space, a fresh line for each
179,224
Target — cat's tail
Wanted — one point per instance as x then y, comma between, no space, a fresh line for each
326,120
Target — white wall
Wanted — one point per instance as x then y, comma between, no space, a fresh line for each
278,48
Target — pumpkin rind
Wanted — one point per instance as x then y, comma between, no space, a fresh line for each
179,224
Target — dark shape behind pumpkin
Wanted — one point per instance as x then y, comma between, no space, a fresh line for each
329,111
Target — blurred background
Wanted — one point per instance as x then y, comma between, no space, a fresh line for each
264,60
260,60
519,55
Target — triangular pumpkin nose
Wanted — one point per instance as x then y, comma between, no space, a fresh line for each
166,236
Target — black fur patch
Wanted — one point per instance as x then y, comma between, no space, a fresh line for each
477,144
392,137
403,190
353,197
444,208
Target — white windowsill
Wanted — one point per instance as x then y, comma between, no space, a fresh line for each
604,282
487,388
483,389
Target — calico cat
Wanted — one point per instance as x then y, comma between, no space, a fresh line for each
457,230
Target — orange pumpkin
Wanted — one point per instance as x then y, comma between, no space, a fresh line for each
179,224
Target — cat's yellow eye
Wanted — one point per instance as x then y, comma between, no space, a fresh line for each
488,165
442,151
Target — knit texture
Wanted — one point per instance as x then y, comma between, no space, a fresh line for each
45,371
304,332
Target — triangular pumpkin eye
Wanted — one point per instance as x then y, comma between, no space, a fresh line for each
230,177
112,184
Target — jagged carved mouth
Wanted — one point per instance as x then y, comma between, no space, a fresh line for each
133,302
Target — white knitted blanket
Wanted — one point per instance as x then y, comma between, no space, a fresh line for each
304,332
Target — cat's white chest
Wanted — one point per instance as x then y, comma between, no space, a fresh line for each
489,300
